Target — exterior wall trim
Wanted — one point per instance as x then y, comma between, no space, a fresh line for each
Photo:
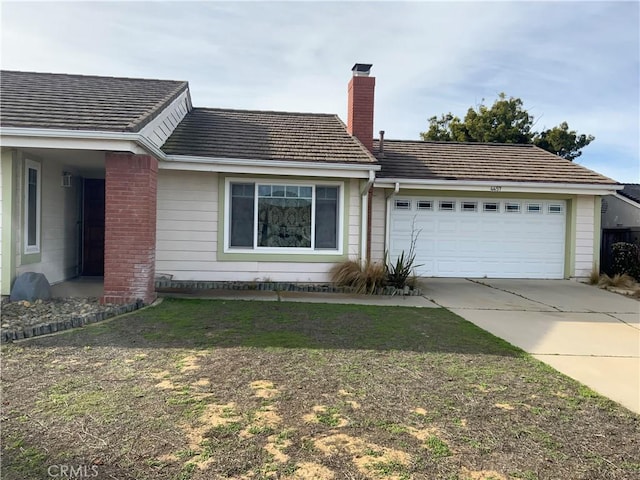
8,269
498,187
188,159
597,232
138,143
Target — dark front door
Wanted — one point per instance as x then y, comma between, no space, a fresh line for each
93,228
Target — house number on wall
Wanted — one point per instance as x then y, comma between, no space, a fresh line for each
496,189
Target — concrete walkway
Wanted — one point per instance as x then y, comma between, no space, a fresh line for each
589,334
309,297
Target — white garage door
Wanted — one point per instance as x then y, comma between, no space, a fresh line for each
469,237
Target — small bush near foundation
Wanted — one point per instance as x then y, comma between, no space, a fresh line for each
618,281
399,272
402,273
594,277
363,278
626,259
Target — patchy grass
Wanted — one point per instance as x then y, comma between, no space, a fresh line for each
218,389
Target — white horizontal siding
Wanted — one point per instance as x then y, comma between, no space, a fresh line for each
179,236
59,240
585,231
187,222
191,205
354,201
248,271
378,218
187,215
187,235
208,245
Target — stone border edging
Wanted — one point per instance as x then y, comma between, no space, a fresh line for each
73,321
163,285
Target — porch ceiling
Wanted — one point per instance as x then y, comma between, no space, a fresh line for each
87,163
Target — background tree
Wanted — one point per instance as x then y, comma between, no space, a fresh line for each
506,121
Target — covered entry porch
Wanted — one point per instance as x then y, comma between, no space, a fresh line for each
80,214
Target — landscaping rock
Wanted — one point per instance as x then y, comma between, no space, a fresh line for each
24,319
30,286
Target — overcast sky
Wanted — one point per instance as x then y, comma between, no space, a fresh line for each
573,61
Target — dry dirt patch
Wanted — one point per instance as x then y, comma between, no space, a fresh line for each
419,377
365,455
264,389
311,471
481,475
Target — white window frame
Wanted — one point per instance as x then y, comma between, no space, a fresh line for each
284,250
559,206
508,205
441,204
31,165
469,203
488,210
539,210
427,205
402,204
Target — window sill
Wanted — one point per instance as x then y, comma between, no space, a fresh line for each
289,256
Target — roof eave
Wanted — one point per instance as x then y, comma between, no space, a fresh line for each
78,140
314,165
499,186
137,143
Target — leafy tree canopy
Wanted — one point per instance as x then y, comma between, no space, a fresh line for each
506,121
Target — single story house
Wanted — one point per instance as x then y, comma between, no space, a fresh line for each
126,179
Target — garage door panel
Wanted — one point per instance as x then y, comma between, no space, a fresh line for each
478,244
401,226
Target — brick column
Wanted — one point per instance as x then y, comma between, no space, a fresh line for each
130,228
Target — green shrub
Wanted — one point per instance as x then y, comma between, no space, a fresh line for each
626,259
398,273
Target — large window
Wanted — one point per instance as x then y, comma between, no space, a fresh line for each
31,207
270,216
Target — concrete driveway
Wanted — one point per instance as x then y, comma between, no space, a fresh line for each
586,333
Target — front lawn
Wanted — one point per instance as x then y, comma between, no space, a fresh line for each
219,389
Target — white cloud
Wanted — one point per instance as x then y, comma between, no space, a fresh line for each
574,61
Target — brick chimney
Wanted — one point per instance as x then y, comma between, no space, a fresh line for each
360,104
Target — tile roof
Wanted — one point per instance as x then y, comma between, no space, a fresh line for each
479,161
262,135
631,191
80,102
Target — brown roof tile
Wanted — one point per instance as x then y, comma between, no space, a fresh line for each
479,161
261,135
80,102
